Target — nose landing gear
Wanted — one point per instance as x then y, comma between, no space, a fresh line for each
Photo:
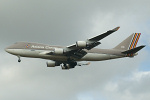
19,60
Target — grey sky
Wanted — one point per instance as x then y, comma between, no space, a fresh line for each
63,22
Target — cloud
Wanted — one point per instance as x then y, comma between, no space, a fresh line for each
131,87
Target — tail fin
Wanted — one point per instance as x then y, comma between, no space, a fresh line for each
129,43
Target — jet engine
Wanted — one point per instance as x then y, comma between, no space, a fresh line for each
57,51
52,64
81,44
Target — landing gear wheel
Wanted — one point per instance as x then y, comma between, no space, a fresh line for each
19,60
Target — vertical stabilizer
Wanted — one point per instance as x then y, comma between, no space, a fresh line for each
129,43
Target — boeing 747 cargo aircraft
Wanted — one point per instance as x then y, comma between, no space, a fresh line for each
68,57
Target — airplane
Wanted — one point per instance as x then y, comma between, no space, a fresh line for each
70,56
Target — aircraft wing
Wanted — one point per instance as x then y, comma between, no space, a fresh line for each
91,42
101,36
79,46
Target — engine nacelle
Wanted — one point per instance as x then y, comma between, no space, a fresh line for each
58,51
52,64
81,44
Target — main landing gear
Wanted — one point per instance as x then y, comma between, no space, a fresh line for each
19,60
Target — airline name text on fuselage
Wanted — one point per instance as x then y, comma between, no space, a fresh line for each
41,47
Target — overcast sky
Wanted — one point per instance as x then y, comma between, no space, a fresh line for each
63,22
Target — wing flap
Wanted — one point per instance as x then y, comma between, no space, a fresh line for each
92,45
77,54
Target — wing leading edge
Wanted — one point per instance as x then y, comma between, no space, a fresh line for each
101,36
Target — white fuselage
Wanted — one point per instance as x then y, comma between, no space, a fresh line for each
32,53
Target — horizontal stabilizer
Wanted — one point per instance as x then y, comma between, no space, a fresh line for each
134,50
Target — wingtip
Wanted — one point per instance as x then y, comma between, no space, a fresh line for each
88,63
117,28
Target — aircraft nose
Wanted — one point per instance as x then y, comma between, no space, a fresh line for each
7,50
12,49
